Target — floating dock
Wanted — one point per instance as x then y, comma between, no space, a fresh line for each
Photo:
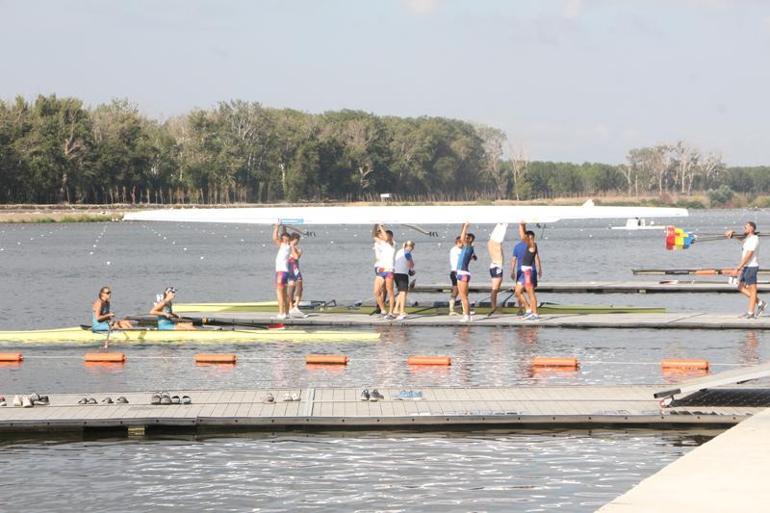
607,287
728,473
341,408
677,320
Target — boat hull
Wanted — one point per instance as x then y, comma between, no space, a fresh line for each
201,336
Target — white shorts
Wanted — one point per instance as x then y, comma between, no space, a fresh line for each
498,234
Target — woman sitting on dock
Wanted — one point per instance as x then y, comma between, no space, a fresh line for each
102,318
164,309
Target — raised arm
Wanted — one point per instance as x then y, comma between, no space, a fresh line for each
378,232
276,234
464,232
522,231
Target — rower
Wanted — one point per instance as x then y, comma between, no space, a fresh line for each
294,284
164,309
530,266
384,253
281,269
404,268
454,255
463,272
747,269
102,317
495,248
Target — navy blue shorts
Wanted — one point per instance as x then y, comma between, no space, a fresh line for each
496,272
520,278
749,275
453,278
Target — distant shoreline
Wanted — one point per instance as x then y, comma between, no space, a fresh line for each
30,213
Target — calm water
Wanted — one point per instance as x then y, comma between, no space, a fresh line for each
49,275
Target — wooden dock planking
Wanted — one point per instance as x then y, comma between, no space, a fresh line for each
672,320
605,287
337,407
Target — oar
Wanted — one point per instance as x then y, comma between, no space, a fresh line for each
209,321
109,332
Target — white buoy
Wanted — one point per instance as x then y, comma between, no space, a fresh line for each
202,257
108,262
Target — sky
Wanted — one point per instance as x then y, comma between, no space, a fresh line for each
567,80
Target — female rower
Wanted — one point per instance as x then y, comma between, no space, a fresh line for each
294,283
281,239
528,278
404,268
383,269
102,317
164,309
463,272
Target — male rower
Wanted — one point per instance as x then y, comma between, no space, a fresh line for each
463,271
748,268
495,248
295,283
384,254
454,255
281,239
519,252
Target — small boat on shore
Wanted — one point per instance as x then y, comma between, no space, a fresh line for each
415,307
208,335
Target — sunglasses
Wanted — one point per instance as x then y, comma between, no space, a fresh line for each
108,292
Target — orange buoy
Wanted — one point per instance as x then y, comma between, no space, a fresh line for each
429,360
684,363
11,357
327,359
550,361
215,358
105,357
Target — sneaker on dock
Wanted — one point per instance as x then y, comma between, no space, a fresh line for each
297,313
376,395
747,315
365,396
466,318
761,308
401,317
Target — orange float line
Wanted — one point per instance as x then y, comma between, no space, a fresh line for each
105,357
564,362
11,357
684,363
429,360
327,359
226,358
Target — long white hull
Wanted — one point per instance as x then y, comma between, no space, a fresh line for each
455,214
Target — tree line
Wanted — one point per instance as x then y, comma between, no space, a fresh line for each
56,150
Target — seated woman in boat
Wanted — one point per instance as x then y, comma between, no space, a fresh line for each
102,317
164,309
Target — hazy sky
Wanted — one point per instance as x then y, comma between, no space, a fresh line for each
569,79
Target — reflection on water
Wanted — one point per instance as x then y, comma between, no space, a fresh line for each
498,471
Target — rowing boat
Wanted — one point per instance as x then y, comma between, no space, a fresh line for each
425,308
200,336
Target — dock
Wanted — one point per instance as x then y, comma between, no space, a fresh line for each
424,408
728,473
605,287
672,320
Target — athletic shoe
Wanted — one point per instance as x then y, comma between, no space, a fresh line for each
121,400
387,317
376,395
91,400
401,317
466,318
532,317
186,399
452,312
365,395
25,402
16,400
85,400
155,399
175,399
107,400
296,312
747,315
269,398
280,317
761,308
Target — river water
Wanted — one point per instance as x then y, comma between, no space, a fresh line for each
49,275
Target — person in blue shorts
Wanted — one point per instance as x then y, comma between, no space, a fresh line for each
748,268
463,270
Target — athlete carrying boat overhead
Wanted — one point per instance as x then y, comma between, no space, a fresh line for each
282,269
495,248
384,254
164,309
747,269
463,270
102,319
519,252
295,283
454,255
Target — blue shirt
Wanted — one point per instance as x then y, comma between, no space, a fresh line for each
464,260
518,252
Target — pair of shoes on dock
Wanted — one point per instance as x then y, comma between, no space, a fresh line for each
106,400
410,395
164,398
27,401
288,397
373,396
